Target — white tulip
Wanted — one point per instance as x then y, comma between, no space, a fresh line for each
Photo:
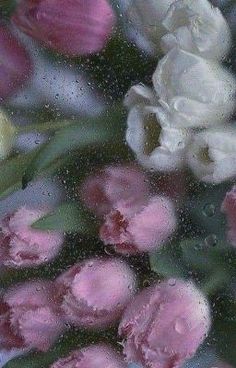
198,27
146,18
157,145
194,92
212,155
140,94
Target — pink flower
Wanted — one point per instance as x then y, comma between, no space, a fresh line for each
30,317
229,208
23,246
94,356
15,64
71,27
165,324
139,228
96,292
100,192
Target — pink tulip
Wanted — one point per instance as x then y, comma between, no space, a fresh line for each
15,64
101,191
96,292
229,208
71,27
165,324
139,228
94,356
23,246
30,317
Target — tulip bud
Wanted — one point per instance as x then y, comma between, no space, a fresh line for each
30,317
71,27
212,155
7,133
229,208
96,291
99,192
94,356
23,246
136,229
15,65
165,324
197,27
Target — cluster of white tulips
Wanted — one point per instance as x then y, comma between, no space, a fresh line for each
185,118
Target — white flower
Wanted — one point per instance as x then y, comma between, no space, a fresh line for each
198,27
145,17
192,91
7,133
140,94
157,145
212,155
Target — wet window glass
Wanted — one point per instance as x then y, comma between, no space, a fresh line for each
117,184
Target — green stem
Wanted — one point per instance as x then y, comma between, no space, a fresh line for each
44,127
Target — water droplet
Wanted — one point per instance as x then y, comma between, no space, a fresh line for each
198,247
110,251
172,282
211,240
146,283
181,326
209,210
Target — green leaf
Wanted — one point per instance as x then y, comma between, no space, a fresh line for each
196,255
34,360
167,262
45,127
223,335
107,128
215,282
13,169
7,7
193,257
205,210
199,255
68,217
